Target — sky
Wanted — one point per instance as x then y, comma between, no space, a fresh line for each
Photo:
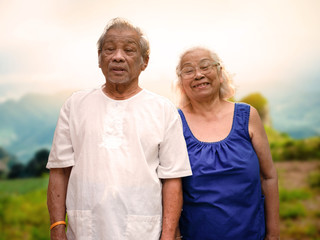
47,46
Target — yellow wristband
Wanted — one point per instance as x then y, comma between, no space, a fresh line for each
57,223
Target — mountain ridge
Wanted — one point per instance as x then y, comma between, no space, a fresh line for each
27,124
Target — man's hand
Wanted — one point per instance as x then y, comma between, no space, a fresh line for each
58,233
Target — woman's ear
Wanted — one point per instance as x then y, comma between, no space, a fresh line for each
220,74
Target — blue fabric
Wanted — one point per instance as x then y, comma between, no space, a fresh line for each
223,198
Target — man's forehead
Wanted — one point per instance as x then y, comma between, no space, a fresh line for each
127,36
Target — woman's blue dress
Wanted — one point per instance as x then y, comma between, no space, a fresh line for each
222,200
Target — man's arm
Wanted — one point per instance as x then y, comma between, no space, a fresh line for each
56,200
172,204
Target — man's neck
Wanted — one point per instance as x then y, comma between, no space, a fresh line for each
120,91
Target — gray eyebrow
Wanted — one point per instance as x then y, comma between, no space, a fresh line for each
202,60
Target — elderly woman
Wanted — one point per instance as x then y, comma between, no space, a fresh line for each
233,192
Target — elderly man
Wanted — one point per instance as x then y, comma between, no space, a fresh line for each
118,152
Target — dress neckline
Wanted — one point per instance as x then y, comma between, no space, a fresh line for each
210,143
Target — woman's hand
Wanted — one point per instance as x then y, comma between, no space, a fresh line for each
269,237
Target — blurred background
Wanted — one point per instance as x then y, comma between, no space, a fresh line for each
48,50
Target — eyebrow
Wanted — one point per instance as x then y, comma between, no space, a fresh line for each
186,64
127,41
202,60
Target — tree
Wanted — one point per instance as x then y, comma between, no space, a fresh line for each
37,165
16,171
260,103
7,161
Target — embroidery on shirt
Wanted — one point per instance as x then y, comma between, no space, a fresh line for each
112,136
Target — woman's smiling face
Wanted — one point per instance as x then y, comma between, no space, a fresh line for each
199,75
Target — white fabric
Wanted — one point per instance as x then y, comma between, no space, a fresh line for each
118,150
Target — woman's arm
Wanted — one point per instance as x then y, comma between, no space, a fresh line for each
268,172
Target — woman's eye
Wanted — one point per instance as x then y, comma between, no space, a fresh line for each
188,71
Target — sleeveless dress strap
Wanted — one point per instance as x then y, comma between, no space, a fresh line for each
242,115
183,119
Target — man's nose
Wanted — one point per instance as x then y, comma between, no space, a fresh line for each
118,55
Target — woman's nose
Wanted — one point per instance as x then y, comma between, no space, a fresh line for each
198,74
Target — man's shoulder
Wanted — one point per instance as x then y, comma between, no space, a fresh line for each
158,104
83,94
151,96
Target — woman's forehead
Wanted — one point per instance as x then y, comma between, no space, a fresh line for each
195,56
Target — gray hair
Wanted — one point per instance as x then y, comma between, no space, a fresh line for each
227,90
120,23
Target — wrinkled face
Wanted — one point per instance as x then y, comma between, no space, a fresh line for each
199,75
120,57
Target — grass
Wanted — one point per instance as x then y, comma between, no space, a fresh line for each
314,179
23,209
299,205
22,186
24,214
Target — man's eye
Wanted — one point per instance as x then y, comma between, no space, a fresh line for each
129,50
108,49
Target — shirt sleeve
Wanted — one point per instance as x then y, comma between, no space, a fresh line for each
62,154
173,155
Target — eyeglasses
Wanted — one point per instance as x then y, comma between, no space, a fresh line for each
205,67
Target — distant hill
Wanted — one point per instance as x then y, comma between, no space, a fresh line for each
297,116
293,99
295,103
28,124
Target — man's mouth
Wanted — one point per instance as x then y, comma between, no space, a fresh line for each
118,69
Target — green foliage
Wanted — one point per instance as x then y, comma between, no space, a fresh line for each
290,203
6,162
284,148
257,101
292,195
306,231
22,186
299,208
314,179
35,167
292,210
16,171
23,210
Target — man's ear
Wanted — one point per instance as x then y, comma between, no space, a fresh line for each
145,63
99,58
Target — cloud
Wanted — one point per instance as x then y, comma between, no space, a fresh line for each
52,43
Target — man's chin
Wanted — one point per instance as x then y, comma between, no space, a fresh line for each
119,80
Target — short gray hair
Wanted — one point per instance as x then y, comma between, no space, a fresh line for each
120,23
227,90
